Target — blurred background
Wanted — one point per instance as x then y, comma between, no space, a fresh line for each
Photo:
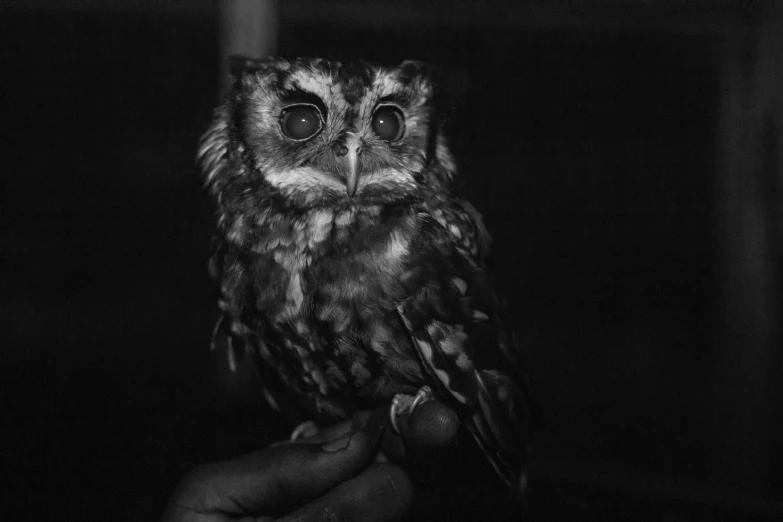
627,156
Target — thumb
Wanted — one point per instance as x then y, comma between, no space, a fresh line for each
431,425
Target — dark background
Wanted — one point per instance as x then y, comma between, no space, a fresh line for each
626,156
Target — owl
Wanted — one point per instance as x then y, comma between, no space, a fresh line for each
347,263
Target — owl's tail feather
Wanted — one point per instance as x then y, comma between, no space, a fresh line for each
498,428
222,331
216,332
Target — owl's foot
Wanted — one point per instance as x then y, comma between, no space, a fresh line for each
304,430
403,406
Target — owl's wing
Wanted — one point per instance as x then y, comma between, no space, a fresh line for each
458,325
240,330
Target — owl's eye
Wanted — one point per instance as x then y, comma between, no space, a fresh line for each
388,123
300,122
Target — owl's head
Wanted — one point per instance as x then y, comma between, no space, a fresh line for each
314,132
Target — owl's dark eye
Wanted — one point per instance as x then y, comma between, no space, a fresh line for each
300,122
388,123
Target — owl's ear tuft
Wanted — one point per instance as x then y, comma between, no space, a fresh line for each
427,78
412,69
239,65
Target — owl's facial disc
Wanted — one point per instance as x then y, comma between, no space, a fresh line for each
323,133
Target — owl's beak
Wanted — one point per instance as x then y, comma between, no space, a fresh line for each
348,155
352,175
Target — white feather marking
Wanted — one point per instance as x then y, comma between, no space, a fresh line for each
294,296
318,84
444,157
320,226
397,248
445,378
293,264
385,83
479,316
425,349
302,179
271,400
236,233
442,375
344,219
232,360
319,379
301,327
393,178
453,343
263,349
459,396
461,285
464,363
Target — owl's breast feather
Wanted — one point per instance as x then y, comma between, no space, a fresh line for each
338,280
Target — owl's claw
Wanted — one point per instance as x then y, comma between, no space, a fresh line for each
304,430
404,405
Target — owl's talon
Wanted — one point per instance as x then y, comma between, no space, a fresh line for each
423,395
403,404
400,403
304,430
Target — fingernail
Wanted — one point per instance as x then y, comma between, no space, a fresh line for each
340,443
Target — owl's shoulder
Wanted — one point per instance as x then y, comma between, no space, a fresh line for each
457,221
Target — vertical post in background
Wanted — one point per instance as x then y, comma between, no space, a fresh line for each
247,27
749,210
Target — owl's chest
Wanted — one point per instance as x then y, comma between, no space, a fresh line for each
347,270
341,306
333,303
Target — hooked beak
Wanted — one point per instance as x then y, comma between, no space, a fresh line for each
353,147
352,176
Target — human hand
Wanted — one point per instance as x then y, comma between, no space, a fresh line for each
330,475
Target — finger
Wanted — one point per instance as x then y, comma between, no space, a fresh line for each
360,418
280,477
382,493
329,433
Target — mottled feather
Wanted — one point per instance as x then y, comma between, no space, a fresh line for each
348,299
